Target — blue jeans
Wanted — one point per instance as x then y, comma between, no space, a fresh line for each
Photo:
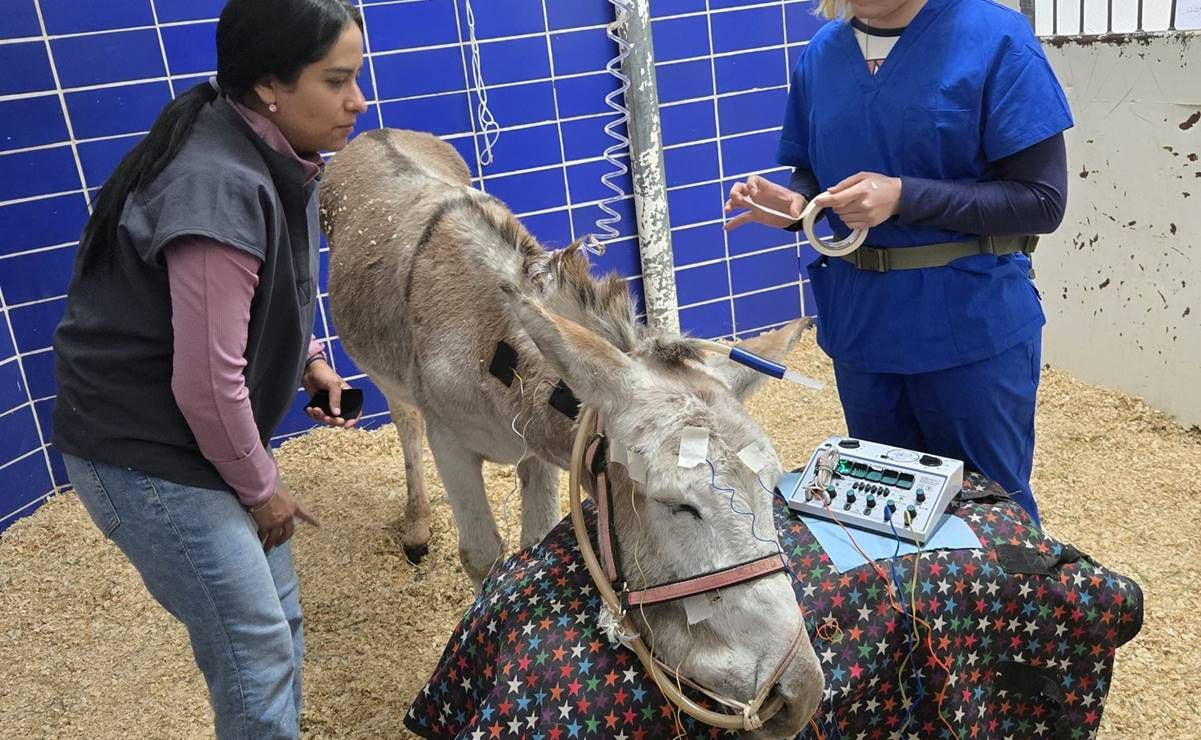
981,413
200,557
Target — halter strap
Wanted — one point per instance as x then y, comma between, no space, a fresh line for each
751,714
723,578
595,458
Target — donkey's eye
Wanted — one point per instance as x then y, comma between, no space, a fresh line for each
684,509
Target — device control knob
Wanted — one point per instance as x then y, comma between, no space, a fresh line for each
930,460
871,500
850,497
921,495
911,509
848,444
889,508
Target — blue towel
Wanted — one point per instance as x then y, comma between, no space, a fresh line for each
952,534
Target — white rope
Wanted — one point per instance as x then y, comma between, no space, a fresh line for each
488,125
611,624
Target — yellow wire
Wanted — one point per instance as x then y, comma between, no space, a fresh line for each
642,610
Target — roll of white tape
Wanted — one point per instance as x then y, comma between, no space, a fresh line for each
839,248
808,216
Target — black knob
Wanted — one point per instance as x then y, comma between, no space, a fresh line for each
871,500
850,497
921,495
849,444
930,460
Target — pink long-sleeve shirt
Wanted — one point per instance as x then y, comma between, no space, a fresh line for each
212,285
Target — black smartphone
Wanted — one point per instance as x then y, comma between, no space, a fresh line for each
352,402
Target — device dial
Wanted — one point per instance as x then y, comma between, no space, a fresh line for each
902,455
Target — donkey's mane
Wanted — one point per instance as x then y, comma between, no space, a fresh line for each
561,280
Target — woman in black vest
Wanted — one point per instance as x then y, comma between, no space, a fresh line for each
190,307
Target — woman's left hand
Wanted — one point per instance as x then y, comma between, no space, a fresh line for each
319,376
863,200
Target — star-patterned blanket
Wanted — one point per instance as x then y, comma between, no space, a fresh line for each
1028,627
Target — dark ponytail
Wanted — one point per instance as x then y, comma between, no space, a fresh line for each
256,40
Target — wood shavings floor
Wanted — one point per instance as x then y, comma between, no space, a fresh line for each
84,651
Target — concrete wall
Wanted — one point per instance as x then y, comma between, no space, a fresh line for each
1121,280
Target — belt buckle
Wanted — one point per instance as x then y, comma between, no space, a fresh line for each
878,264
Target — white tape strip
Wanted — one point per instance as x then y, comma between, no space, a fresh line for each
617,452
636,467
754,457
694,446
698,607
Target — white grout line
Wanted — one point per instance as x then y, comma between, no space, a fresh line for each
62,100
42,196
447,137
158,31
721,167
797,241
36,301
24,455
734,296
103,31
467,82
379,109
554,91
37,424
370,56
201,21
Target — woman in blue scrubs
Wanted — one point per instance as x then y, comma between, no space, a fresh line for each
936,124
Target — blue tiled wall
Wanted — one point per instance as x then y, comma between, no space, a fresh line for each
82,82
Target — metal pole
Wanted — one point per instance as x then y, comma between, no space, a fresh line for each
1172,17
646,164
1055,17
1140,15
1109,18
1082,3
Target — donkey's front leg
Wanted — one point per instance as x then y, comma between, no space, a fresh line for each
415,535
461,471
539,499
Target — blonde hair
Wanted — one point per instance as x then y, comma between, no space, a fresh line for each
834,9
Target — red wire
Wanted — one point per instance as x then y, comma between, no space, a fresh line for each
893,603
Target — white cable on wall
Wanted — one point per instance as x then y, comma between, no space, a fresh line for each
488,125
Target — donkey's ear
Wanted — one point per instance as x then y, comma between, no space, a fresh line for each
773,345
598,373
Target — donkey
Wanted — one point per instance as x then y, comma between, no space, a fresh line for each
429,275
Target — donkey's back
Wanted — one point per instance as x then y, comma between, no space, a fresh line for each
406,254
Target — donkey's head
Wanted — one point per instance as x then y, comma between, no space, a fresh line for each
674,522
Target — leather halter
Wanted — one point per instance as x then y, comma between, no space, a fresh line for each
590,449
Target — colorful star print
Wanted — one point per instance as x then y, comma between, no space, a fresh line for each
1029,655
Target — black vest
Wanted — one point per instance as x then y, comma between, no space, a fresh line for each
114,348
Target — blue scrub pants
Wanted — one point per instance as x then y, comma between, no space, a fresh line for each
981,413
199,555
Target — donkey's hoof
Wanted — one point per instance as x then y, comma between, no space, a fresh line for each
415,553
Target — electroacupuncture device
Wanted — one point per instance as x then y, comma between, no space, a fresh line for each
875,487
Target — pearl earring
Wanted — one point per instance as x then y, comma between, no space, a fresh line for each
273,108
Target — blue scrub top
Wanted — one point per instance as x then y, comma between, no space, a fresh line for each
967,84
